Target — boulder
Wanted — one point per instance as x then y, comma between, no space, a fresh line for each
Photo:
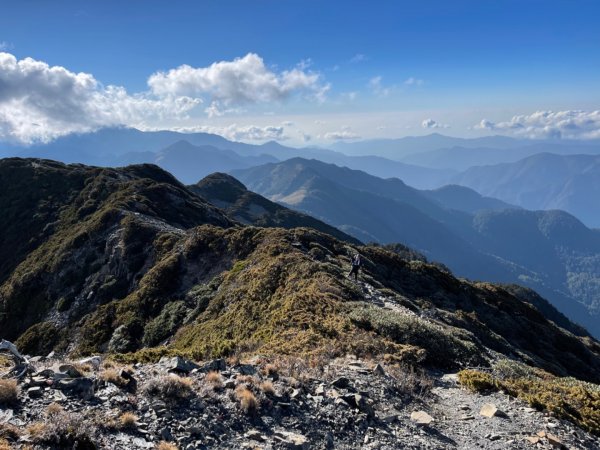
93,361
78,387
489,410
421,418
218,365
341,383
178,364
554,441
291,441
70,370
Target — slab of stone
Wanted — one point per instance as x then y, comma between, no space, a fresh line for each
489,410
421,418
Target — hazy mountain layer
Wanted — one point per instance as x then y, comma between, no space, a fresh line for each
132,259
229,194
550,251
543,181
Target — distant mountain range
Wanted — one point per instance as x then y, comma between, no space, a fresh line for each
543,181
190,156
550,251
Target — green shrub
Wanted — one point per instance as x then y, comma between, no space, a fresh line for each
445,346
163,326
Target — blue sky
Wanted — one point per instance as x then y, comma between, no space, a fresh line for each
362,69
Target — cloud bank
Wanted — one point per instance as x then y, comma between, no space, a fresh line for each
39,102
242,81
432,124
571,124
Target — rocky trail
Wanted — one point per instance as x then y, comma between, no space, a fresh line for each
344,403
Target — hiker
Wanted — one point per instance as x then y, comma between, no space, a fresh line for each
355,266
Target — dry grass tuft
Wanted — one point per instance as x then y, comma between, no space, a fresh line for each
248,401
53,409
37,431
8,431
128,420
170,387
4,445
246,379
215,379
267,387
271,370
163,445
112,376
9,392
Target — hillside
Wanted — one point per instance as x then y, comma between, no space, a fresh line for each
130,264
538,249
543,181
229,194
464,199
133,256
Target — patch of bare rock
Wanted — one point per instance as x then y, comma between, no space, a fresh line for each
266,403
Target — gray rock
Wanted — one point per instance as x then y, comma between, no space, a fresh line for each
77,387
70,370
178,364
421,418
291,441
35,392
341,383
218,365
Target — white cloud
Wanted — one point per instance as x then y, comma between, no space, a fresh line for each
215,109
359,57
571,124
376,85
242,81
413,82
237,132
432,124
344,134
39,102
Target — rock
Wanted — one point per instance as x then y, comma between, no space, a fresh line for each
79,387
70,370
494,437
255,435
229,384
340,402
541,434
341,383
533,439
292,441
554,441
379,370
35,392
93,361
246,369
214,365
178,364
359,402
6,415
320,390
421,418
295,393
46,373
489,410
166,434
